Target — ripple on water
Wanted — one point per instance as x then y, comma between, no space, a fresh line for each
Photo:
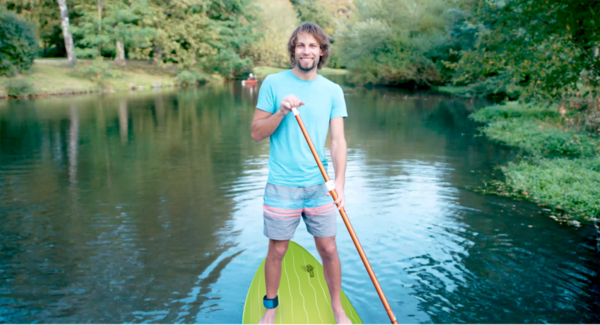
155,215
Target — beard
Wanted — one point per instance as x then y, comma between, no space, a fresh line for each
308,68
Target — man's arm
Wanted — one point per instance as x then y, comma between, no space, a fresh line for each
265,123
339,157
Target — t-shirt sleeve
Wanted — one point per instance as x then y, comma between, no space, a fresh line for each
266,97
339,104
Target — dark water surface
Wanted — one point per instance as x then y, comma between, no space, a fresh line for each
147,208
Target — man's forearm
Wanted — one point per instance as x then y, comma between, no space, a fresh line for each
263,128
338,155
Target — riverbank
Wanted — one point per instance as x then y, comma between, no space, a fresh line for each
559,165
263,71
54,77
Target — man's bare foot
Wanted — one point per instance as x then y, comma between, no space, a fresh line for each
268,317
340,317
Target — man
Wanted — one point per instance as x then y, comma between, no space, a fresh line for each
295,188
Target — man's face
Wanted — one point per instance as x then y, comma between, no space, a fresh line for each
308,52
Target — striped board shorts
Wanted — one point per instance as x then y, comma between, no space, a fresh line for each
285,205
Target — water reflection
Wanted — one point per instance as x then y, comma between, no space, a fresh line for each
147,208
124,208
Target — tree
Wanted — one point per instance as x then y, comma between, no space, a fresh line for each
535,49
277,20
111,26
213,35
394,42
128,28
18,44
39,13
64,18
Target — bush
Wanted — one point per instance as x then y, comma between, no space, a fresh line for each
18,87
18,44
192,77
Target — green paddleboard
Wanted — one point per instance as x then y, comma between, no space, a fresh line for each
303,293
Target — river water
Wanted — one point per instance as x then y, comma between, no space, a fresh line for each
147,208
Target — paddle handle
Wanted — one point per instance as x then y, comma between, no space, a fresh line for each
342,211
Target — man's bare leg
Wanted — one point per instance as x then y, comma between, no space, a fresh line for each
277,249
333,275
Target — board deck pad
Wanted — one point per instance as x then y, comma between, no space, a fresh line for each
303,293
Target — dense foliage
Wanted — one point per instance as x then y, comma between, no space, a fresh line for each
277,19
213,35
103,24
17,44
534,49
542,50
398,42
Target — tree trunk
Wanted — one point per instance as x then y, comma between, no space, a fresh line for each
157,53
596,51
100,5
120,58
64,22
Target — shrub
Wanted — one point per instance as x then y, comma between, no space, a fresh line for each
18,87
192,77
18,44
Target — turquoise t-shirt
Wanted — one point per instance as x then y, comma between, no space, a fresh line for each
290,161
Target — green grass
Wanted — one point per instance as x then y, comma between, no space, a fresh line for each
54,76
515,110
566,184
563,168
462,91
535,129
542,139
263,71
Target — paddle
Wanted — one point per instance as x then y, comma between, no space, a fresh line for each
332,191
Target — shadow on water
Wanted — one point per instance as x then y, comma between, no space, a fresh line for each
147,207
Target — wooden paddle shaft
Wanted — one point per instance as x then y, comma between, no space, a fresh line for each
334,195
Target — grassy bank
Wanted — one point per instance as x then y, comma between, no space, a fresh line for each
263,71
460,91
55,77
560,167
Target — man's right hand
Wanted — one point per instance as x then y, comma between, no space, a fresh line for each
289,102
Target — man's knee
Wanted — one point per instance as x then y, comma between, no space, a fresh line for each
327,250
277,249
